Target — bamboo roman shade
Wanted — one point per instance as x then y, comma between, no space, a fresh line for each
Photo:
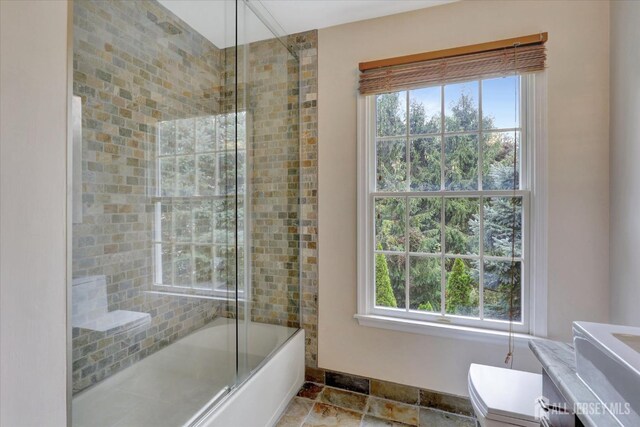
504,57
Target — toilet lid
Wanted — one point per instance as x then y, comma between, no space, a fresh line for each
505,393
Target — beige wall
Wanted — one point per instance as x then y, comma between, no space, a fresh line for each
625,157
33,107
578,116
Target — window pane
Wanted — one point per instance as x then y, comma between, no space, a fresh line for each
424,286
205,133
203,262
185,136
391,114
501,103
390,224
391,165
461,162
182,224
424,223
425,164
167,264
182,265
461,107
203,222
502,289
461,231
497,160
167,137
461,295
499,225
390,280
206,174
226,180
167,177
186,177
223,216
166,214
425,110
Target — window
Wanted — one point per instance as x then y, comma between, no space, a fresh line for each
440,214
194,233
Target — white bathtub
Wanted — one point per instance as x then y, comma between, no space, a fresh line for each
175,386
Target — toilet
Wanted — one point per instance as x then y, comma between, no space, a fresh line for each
504,397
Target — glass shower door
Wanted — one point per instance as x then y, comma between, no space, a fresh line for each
154,247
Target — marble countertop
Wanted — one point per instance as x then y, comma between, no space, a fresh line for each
558,359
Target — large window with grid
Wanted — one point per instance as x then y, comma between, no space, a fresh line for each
445,189
194,233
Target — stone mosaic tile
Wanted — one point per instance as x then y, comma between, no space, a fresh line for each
347,382
393,391
446,402
394,411
314,375
343,398
369,421
310,390
295,413
327,415
435,418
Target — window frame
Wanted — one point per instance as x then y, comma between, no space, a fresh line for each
533,193
158,199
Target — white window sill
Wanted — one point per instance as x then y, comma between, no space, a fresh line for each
443,330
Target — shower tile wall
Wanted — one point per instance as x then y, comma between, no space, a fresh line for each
135,64
282,233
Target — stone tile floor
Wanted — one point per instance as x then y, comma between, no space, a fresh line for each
319,405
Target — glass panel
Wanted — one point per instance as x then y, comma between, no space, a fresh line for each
167,176
391,114
425,110
391,170
501,103
424,223
502,216
166,222
182,265
497,160
425,164
461,289
270,79
461,107
167,137
461,162
424,285
160,103
205,134
206,174
203,265
390,280
390,224
182,223
461,217
203,222
186,176
167,264
502,290
185,136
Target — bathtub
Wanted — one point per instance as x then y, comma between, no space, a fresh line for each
191,382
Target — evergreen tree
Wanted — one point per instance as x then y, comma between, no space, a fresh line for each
459,288
384,293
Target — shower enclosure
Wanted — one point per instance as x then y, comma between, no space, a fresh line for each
185,206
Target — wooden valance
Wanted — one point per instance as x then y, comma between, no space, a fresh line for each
502,57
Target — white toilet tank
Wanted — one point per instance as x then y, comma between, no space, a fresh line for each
504,397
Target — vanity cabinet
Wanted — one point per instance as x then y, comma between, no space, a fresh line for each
557,412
